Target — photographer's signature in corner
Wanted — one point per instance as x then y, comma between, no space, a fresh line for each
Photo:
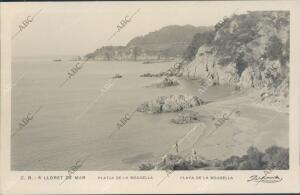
268,177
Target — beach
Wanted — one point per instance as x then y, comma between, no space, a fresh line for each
80,116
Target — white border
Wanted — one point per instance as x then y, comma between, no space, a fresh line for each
10,180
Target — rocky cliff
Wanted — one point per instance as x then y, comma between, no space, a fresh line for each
165,43
249,50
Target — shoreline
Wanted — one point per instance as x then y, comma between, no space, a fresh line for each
241,131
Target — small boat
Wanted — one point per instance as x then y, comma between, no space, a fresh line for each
117,76
146,62
57,60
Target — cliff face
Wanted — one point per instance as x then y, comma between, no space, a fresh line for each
249,50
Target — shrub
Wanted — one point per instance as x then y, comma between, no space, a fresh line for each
173,162
273,158
198,40
241,64
255,159
274,48
231,163
276,158
146,166
245,165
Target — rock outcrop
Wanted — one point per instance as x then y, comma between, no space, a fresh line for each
117,76
188,116
172,103
153,75
166,82
249,50
177,162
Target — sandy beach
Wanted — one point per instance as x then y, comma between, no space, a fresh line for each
250,126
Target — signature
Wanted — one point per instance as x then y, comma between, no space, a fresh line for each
123,23
74,168
266,178
26,120
25,23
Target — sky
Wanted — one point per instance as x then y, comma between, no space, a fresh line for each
64,29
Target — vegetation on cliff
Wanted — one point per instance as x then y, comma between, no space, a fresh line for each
250,50
273,158
168,42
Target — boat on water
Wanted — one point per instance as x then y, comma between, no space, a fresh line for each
57,60
116,76
156,61
147,62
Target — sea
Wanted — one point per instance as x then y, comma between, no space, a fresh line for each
76,120
62,115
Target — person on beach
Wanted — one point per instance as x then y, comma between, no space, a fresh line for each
176,146
194,152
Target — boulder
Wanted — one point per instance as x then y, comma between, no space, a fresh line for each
173,162
146,166
152,75
246,80
166,82
187,116
172,103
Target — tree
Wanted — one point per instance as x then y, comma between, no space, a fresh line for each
255,158
107,56
232,163
90,56
198,40
120,52
276,158
137,51
274,48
